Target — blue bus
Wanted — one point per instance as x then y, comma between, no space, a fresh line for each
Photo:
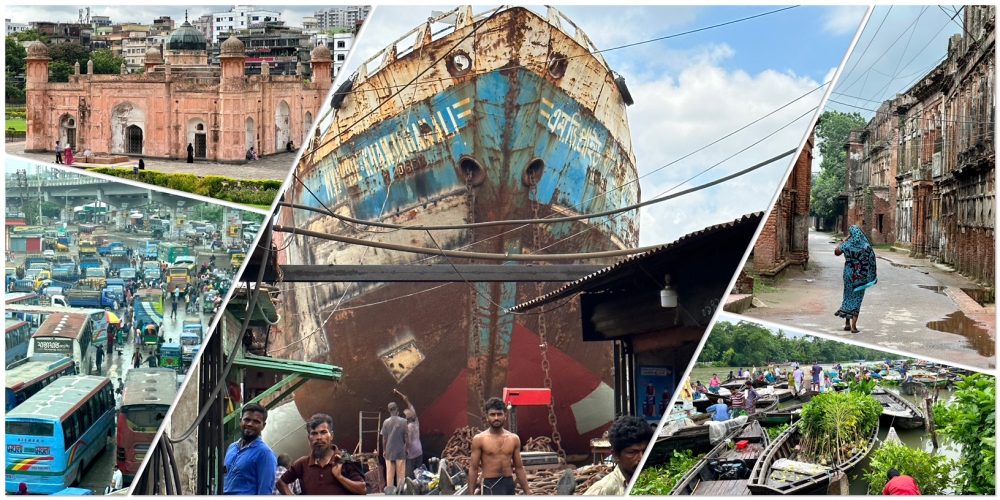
54,435
28,376
17,334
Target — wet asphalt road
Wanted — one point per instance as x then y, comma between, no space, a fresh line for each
915,307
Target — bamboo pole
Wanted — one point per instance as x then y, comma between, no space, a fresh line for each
929,421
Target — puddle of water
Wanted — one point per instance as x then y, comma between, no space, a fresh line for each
981,295
960,324
933,288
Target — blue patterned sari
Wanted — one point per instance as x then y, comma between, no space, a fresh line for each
859,272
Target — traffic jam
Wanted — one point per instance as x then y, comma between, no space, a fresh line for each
104,314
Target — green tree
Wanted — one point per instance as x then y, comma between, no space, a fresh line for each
16,55
832,133
31,35
13,93
105,62
59,71
970,420
69,53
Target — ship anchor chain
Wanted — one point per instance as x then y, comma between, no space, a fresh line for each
543,344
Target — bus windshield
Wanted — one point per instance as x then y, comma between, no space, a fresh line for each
145,416
28,428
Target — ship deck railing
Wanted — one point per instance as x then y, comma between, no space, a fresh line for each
415,37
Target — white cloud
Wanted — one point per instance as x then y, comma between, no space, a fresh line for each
843,19
674,116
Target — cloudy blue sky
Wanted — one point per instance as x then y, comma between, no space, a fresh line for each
142,12
693,89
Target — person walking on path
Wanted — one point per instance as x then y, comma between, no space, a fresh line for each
190,158
99,358
859,274
59,153
136,359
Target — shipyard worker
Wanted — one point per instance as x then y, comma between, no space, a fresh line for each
394,447
324,471
900,484
497,453
414,450
629,437
719,411
250,464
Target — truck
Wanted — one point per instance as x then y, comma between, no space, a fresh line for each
87,249
190,340
65,272
35,258
152,250
111,248
88,262
150,270
127,273
117,287
149,306
23,285
95,272
170,251
98,299
118,262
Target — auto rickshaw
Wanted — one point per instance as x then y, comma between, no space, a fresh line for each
208,301
170,356
149,336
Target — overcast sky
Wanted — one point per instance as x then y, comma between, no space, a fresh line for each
145,14
694,89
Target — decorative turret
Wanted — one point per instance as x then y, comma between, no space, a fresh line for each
90,68
232,55
187,45
38,64
320,60
152,59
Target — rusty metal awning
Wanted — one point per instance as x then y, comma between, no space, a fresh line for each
614,272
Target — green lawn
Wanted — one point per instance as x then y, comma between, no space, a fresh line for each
18,124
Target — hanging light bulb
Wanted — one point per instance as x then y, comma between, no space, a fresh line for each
668,296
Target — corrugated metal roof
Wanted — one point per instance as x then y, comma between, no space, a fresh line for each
150,386
60,397
581,284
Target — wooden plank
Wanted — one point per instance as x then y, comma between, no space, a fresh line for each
729,487
435,273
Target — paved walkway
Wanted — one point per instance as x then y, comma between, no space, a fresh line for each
915,307
274,167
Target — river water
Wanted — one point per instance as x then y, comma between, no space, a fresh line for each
916,438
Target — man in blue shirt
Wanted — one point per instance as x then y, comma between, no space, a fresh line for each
250,464
719,411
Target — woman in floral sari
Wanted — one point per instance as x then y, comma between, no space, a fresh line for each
859,274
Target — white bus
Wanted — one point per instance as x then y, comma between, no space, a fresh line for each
69,334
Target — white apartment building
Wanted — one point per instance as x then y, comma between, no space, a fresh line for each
239,18
13,28
346,16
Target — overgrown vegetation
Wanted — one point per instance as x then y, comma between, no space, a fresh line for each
832,132
748,344
248,192
661,479
836,425
931,472
970,420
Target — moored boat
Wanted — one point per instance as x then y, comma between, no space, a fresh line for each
726,469
778,472
897,411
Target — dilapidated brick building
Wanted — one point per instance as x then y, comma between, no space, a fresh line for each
921,174
784,240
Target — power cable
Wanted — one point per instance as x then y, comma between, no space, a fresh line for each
553,220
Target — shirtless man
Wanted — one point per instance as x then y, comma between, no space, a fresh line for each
497,452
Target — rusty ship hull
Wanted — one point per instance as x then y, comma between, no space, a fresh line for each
517,119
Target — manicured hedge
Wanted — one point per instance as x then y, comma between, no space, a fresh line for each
249,192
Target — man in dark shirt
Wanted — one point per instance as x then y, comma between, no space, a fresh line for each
250,464
324,472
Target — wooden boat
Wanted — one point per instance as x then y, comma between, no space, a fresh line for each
701,404
696,438
913,389
725,470
897,411
772,475
778,416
